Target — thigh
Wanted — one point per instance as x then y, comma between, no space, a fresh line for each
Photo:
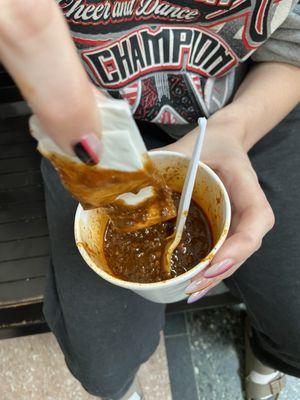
96,323
269,282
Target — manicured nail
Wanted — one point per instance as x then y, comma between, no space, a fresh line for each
219,269
197,296
198,285
88,149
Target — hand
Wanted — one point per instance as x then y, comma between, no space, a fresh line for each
252,216
37,50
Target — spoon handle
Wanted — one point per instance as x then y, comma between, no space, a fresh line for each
187,191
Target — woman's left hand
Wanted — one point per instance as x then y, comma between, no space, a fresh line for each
252,216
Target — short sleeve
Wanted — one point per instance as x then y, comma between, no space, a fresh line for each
284,43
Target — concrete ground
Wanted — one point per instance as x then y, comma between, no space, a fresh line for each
200,357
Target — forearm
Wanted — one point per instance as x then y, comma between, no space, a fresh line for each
268,93
37,50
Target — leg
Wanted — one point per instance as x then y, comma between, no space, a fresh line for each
269,283
105,332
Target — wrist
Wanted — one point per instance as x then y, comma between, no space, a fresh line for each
229,123
222,127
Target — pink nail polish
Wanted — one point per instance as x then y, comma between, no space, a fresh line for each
197,296
219,269
197,285
88,149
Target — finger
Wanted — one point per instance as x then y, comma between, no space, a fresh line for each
37,50
201,293
203,283
252,219
198,289
229,272
197,296
199,282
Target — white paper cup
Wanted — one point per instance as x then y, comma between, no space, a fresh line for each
209,193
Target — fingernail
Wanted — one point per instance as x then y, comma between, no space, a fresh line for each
197,296
219,269
88,149
195,286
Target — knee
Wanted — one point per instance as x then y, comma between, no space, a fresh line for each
104,382
283,337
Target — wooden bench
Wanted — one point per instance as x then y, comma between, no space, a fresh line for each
24,240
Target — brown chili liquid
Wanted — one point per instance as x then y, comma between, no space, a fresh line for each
138,256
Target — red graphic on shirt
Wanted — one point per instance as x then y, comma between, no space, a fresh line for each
132,94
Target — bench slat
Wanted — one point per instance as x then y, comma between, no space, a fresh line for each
28,194
23,269
23,229
25,211
24,249
15,136
26,291
16,123
12,165
19,179
14,151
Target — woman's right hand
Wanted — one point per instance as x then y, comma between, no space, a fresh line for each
37,50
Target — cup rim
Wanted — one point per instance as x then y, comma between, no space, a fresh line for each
178,279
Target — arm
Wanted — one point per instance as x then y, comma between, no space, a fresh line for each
37,50
269,92
267,95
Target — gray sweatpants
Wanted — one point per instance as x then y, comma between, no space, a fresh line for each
106,332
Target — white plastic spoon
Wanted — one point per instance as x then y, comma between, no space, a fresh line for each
186,196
